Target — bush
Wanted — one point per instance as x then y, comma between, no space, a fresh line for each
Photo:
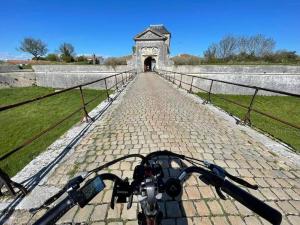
186,59
114,61
81,58
67,58
52,57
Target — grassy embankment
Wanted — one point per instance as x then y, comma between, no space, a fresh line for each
21,123
283,107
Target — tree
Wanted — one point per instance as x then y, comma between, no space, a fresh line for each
34,46
67,52
227,47
211,53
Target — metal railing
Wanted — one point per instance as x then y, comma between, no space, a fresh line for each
171,76
117,80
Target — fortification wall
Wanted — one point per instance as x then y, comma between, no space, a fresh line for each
17,79
242,69
284,78
64,76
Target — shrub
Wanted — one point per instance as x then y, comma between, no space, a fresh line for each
186,59
67,58
114,61
52,57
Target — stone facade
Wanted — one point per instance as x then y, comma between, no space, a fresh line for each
152,48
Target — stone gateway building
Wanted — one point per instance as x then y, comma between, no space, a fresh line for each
152,48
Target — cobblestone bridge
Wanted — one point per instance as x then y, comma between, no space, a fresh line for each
153,115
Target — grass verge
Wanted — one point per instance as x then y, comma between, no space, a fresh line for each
283,107
21,123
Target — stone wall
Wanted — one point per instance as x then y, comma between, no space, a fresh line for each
6,68
284,78
17,79
64,76
242,69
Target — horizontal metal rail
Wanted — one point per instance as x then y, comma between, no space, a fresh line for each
167,75
129,75
236,84
2,108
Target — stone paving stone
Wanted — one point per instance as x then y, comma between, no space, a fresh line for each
114,213
215,207
294,219
115,223
173,209
251,220
202,208
130,214
99,212
83,214
193,192
207,192
219,220
229,207
152,115
133,222
189,208
168,221
236,220
68,217
202,220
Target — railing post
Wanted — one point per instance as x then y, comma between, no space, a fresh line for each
191,87
247,117
180,81
86,115
174,79
116,80
209,93
107,94
6,182
122,79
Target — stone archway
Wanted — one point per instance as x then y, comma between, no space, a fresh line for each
149,64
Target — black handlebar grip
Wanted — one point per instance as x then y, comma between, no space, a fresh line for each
55,213
253,203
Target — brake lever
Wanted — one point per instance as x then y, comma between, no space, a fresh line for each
242,182
219,192
223,173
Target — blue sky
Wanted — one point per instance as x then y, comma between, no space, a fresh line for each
107,27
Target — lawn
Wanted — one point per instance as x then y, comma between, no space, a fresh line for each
21,123
283,107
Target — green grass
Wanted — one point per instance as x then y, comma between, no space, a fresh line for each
21,123
283,107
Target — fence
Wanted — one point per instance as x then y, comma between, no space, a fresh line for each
178,78
113,82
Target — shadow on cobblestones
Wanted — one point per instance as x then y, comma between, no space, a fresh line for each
173,209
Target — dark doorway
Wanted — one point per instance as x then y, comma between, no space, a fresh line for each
149,64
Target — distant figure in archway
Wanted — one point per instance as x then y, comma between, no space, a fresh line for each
149,64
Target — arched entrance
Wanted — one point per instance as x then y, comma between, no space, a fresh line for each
149,64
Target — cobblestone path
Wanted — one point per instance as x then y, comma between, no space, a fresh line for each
153,115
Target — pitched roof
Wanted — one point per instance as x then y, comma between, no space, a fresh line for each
155,35
160,28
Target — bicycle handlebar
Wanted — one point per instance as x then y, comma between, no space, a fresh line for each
55,213
239,194
215,176
251,202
